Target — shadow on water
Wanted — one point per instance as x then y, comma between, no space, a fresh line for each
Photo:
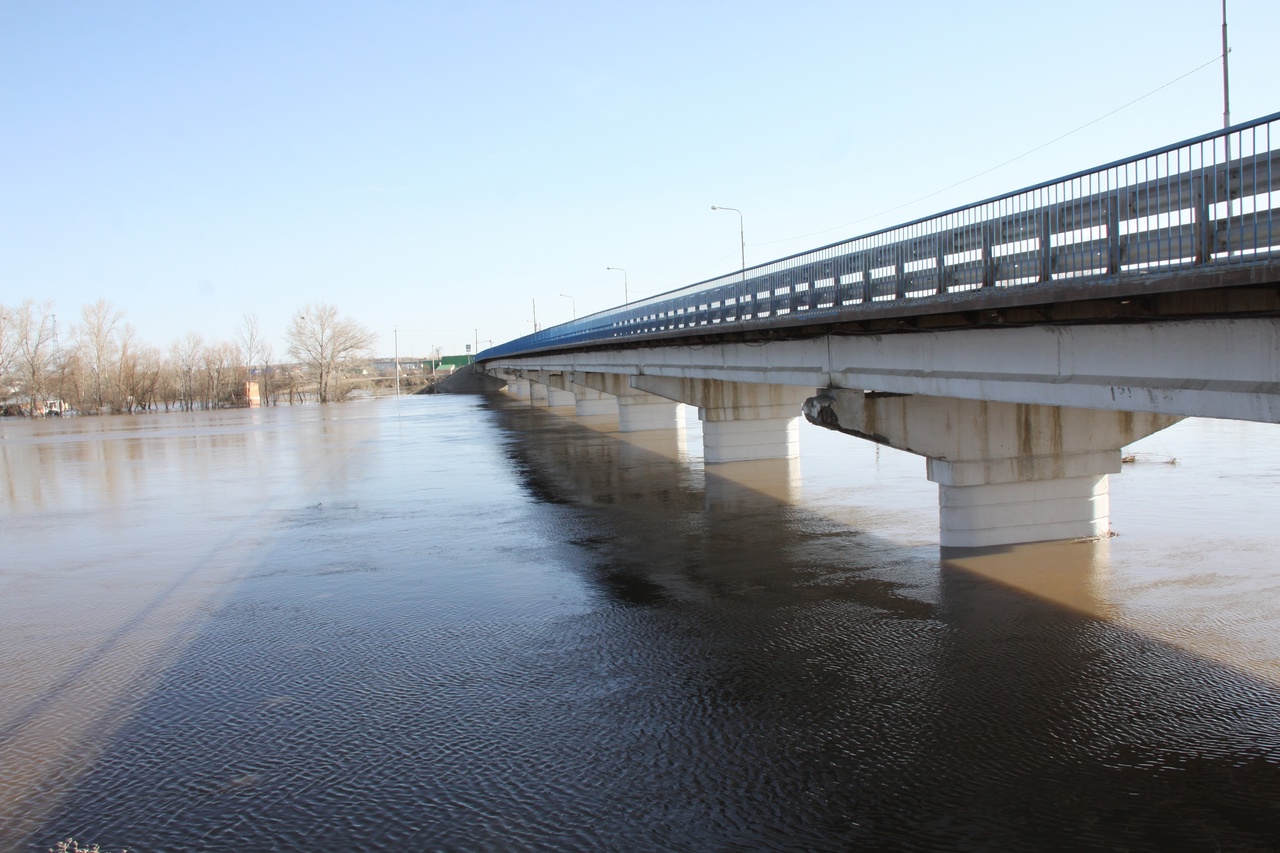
729,670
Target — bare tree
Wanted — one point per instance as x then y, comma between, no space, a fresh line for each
184,354
221,366
255,353
97,338
326,343
267,378
33,330
138,373
8,348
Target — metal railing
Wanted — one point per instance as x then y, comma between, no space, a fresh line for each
1205,201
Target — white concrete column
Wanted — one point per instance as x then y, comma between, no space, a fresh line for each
637,411
1007,473
518,388
741,421
589,401
538,394
743,440
556,398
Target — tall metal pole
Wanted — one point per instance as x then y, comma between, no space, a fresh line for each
626,295
742,240
1226,87
396,333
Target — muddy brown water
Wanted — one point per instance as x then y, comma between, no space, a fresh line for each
460,623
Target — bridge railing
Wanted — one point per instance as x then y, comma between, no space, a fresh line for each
1205,201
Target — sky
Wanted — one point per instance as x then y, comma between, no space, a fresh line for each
439,171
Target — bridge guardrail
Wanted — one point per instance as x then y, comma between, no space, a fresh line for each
1203,201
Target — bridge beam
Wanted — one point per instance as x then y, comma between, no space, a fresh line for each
741,421
1007,473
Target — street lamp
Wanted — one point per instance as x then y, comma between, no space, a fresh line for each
572,304
742,240
626,296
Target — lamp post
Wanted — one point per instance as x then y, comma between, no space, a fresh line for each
626,295
742,240
573,305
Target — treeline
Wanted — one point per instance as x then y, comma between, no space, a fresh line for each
98,364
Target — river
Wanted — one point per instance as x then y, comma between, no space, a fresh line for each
461,623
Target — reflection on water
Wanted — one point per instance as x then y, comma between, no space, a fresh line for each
454,623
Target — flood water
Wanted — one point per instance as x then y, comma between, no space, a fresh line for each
460,623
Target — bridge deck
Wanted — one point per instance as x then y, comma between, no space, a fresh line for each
1181,231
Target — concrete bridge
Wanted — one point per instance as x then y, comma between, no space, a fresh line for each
1018,343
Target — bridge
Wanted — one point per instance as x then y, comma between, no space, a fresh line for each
1017,343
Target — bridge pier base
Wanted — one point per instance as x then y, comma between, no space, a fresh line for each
518,388
1007,473
741,421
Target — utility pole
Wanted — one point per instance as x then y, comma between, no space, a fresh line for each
1226,87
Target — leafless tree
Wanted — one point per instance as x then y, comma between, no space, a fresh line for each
269,377
255,352
220,364
184,354
8,348
33,330
326,343
98,340
138,373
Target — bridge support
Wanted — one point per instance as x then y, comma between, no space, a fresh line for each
550,390
1007,473
589,401
741,421
637,410
518,388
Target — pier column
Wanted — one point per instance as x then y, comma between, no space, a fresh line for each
637,410
518,388
741,421
1007,473
551,389
589,401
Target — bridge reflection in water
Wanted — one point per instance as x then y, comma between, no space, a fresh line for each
986,678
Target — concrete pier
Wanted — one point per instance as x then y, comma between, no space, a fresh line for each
1007,473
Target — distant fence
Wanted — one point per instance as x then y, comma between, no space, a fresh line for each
1204,201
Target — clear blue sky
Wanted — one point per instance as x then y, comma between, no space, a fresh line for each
437,166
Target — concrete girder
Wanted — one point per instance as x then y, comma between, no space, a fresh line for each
1221,368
